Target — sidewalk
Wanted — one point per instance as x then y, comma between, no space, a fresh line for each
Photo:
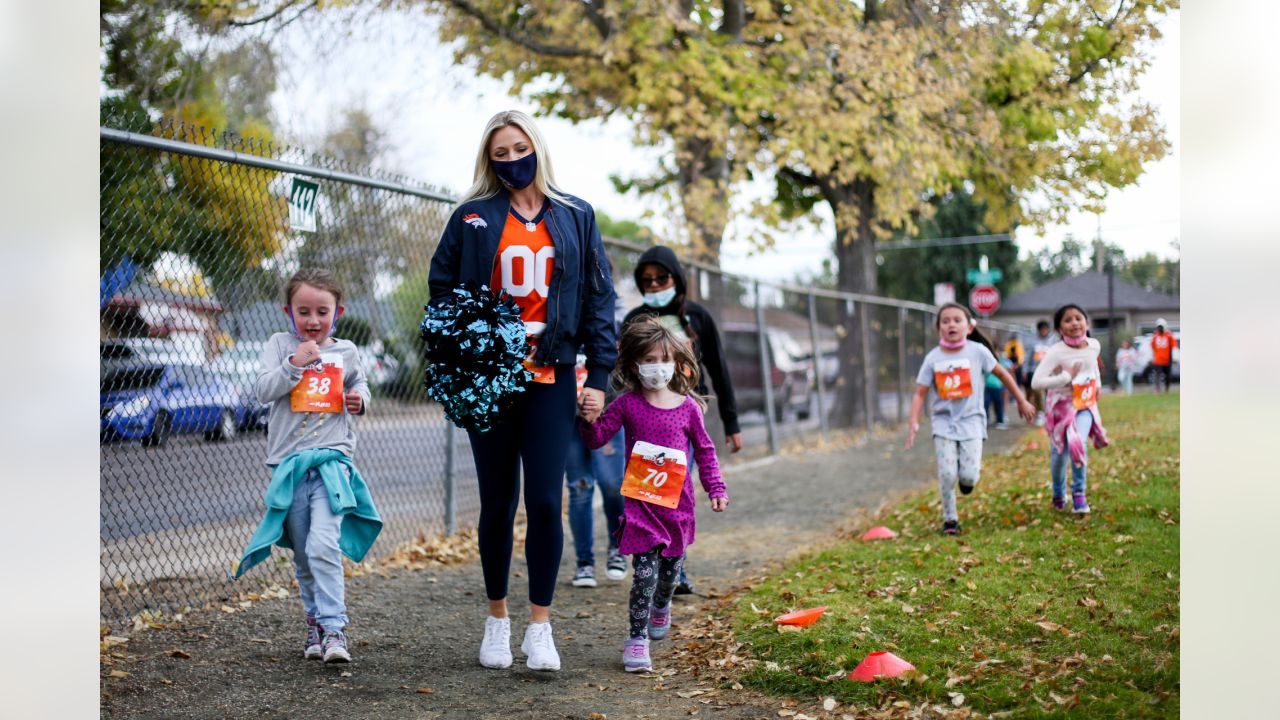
421,630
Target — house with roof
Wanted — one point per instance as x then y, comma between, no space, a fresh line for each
1135,309
184,324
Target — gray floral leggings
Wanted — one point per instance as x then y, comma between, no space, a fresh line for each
653,583
958,460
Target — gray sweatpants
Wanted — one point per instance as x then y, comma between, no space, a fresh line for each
958,460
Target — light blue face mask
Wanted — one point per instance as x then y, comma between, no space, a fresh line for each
660,299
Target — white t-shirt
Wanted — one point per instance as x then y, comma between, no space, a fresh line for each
956,383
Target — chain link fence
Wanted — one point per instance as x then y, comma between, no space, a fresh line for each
198,237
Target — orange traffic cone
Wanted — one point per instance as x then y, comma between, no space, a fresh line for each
801,618
879,532
880,664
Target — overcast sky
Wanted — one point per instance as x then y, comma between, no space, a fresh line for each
433,112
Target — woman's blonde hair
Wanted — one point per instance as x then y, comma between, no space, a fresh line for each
486,183
641,335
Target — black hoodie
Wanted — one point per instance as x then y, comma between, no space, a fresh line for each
699,326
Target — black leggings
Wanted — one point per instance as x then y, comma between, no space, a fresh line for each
652,583
536,430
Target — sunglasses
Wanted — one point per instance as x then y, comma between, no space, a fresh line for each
653,280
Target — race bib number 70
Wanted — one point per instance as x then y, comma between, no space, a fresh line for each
655,474
953,379
320,389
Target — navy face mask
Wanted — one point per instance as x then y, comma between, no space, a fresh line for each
516,174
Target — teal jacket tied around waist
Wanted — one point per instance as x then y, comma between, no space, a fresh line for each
348,495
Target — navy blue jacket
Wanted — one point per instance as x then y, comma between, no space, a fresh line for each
581,302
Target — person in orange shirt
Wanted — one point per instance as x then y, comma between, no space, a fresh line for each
1162,345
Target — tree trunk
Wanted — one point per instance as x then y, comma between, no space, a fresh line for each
856,272
704,194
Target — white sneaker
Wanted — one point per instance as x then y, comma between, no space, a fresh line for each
495,649
616,567
539,648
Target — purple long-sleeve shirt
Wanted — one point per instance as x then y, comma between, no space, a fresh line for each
645,525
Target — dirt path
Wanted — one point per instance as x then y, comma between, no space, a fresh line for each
422,629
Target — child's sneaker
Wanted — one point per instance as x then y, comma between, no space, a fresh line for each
1059,502
659,622
1079,505
616,567
951,527
495,649
335,647
1002,426
965,489
539,648
635,655
585,576
684,586
312,649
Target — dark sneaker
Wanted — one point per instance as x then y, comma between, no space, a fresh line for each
659,622
684,586
1079,505
585,576
635,655
335,647
951,527
965,489
312,650
616,567
1059,502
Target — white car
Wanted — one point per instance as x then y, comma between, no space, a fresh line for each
1142,344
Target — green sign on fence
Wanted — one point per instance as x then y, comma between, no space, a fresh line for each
984,277
302,205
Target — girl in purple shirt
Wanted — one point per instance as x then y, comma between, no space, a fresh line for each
657,375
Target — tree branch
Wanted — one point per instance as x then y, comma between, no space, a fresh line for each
510,35
593,10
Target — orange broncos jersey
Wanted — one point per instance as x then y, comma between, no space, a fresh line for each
523,268
1162,345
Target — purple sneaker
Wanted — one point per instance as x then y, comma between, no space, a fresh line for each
659,622
951,527
1059,502
1079,505
635,655
335,647
312,650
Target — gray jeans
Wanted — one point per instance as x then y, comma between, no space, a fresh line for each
313,531
958,461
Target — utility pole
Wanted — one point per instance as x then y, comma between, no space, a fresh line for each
1103,257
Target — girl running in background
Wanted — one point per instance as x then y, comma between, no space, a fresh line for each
1069,375
958,420
657,375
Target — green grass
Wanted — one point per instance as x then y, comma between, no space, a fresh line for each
1030,611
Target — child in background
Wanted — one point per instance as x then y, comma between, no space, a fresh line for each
317,502
994,395
1069,375
657,375
1126,363
958,420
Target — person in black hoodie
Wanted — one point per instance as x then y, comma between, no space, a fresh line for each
662,284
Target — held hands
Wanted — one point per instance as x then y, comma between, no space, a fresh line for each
718,504
590,404
734,442
306,354
355,403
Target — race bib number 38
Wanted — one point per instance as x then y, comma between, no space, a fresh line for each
953,379
320,389
655,474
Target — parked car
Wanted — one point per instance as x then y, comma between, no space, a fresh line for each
150,401
790,377
1142,343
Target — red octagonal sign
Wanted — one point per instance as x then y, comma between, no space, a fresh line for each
984,299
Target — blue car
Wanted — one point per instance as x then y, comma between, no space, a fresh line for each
152,401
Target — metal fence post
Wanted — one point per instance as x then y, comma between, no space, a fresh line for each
764,371
902,360
868,402
817,365
450,479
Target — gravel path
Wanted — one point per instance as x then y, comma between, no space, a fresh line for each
420,630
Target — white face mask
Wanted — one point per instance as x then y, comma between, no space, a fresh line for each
655,376
659,299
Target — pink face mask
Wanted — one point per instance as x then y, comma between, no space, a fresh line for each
1076,342
949,345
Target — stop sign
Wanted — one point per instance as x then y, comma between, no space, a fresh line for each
984,299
